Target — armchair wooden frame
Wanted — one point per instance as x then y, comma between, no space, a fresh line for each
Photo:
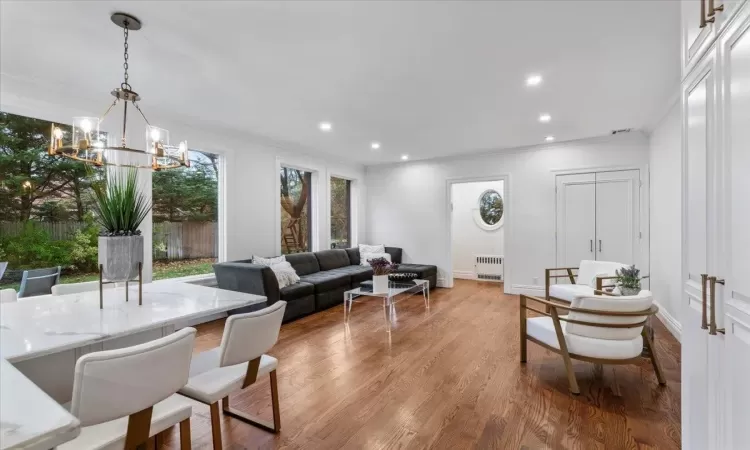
552,311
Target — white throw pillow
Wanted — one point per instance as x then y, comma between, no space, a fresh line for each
364,259
268,261
285,274
363,248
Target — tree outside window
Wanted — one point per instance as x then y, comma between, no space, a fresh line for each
296,226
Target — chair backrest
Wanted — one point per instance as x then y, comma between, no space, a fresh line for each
3,266
116,383
248,336
632,303
589,270
76,288
38,281
8,295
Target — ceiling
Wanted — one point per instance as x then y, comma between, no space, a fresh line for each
424,78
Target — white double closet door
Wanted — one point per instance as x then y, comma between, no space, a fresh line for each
598,217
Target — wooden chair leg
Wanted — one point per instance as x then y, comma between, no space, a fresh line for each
185,441
522,314
216,425
654,359
564,351
275,402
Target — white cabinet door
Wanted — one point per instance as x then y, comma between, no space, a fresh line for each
697,115
618,216
576,206
733,302
695,39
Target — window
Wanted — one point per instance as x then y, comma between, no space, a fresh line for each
185,215
341,213
490,209
45,205
296,218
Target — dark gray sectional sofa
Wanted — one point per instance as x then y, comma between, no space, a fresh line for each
324,277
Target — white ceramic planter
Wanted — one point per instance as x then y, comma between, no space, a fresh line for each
119,257
380,284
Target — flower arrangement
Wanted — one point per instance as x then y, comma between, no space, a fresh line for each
381,266
629,280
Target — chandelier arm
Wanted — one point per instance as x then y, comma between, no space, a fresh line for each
108,109
142,115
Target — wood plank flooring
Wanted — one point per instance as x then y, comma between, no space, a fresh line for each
448,378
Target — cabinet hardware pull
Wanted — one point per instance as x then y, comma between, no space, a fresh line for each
703,14
704,316
712,9
712,330
600,245
591,245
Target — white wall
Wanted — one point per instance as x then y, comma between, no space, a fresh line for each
407,203
249,175
665,156
468,238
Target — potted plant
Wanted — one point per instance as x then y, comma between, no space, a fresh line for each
629,280
381,267
120,207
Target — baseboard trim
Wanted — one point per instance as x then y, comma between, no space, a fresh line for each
441,283
528,289
464,275
672,324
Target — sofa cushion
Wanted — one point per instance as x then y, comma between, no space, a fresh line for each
353,254
543,329
304,263
358,273
568,291
420,269
296,290
396,254
327,281
332,259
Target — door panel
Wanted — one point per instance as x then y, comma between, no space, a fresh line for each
576,206
698,98
617,216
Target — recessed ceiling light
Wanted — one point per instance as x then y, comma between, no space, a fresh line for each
404,157
325,126
533,80
549,138
375,145
544,118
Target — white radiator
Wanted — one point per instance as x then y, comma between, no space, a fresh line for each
489,267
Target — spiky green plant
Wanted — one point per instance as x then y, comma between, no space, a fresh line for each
629,277
119,205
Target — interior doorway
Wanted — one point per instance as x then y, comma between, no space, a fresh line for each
478,210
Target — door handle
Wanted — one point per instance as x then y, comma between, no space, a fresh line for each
713,9
600,245
705,20
712,281
591,245
704,316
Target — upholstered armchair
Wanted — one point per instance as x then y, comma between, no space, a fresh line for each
597,328
584,280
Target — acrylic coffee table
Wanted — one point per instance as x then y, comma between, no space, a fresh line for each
397,291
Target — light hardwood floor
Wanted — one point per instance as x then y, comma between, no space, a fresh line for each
449,378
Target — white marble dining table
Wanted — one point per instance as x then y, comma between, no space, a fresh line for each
29,418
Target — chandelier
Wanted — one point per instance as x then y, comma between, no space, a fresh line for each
88,144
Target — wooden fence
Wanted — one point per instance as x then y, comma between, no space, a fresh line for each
171,240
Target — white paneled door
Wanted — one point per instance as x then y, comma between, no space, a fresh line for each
697,98
617,216
576,222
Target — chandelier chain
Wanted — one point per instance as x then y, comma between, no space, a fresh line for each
126,85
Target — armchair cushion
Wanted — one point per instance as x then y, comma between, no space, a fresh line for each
589,270
543,329
568,291
633,303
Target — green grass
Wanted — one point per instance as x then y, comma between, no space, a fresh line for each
162,270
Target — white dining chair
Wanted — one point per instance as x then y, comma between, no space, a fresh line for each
77,288
123,397
236,364
8,296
